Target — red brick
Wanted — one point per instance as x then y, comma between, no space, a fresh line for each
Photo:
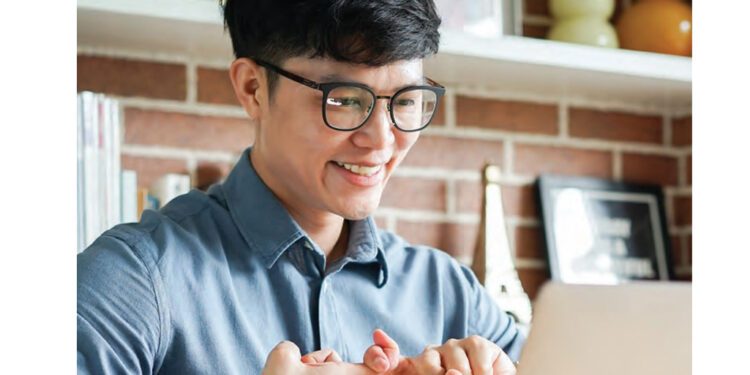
682,131
507,115
414,193
147,127
455,239
148,170
615,126
215,87
532,280
690,170
683,210
535,160
517,200
520,201
454,153
131,77
649,169
380,221
529,243
469,196
439,119
209,173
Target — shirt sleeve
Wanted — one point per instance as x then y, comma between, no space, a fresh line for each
120,317
491,322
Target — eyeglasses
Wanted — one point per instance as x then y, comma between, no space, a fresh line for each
348,105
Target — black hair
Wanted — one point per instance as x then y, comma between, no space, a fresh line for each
369,32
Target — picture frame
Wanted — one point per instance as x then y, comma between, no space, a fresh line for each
599,231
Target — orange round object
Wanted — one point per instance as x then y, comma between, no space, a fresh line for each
662,26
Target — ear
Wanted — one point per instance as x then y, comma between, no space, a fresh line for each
249,83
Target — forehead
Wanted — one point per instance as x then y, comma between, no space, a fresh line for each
386,78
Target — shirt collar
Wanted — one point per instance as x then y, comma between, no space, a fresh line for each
263,222
269,230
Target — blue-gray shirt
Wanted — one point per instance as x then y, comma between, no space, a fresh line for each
213,281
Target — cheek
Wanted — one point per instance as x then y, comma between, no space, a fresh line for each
404,143
298,129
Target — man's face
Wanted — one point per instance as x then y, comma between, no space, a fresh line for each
303,155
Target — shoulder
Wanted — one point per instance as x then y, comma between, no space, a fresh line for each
185,219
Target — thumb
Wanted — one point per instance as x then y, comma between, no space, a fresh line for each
283,357
503,365
376,359
389,346
383,355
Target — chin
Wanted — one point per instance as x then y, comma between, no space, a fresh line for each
359,210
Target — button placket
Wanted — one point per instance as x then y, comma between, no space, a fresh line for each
330,329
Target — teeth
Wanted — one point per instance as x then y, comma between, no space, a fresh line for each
360,169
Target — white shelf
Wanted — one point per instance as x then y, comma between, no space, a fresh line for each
521,66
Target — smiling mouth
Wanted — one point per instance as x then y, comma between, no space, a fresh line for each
361,170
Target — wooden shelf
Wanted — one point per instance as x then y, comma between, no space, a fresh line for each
193,29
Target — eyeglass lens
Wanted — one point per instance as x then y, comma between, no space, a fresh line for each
347,107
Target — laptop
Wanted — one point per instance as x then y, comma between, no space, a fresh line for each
638,328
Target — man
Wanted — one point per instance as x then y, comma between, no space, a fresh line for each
283,258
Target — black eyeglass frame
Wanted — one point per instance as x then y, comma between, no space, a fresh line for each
327,87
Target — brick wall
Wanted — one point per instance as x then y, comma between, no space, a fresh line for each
180,116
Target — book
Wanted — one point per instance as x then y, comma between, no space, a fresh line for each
146,201
99,186
129,197
169,186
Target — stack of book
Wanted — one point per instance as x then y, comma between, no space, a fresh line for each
108,195
99,205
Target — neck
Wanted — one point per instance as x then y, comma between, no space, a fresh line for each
329,231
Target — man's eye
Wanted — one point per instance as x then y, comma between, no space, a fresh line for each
344,102
405,102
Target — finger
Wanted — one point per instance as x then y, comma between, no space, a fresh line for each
342,368
482,354
376,359
390,347
321,356
503,365
283,356
334,357
426,363
285,350
454,357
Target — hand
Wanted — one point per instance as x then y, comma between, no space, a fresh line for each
285,359
384,358
381,358
321,356
472,355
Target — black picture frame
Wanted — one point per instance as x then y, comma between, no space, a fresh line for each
599,231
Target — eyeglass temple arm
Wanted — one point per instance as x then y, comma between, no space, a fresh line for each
432,82
290,75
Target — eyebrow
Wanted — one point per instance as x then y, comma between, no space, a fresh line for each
335,77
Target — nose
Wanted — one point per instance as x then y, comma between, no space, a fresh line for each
377,132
